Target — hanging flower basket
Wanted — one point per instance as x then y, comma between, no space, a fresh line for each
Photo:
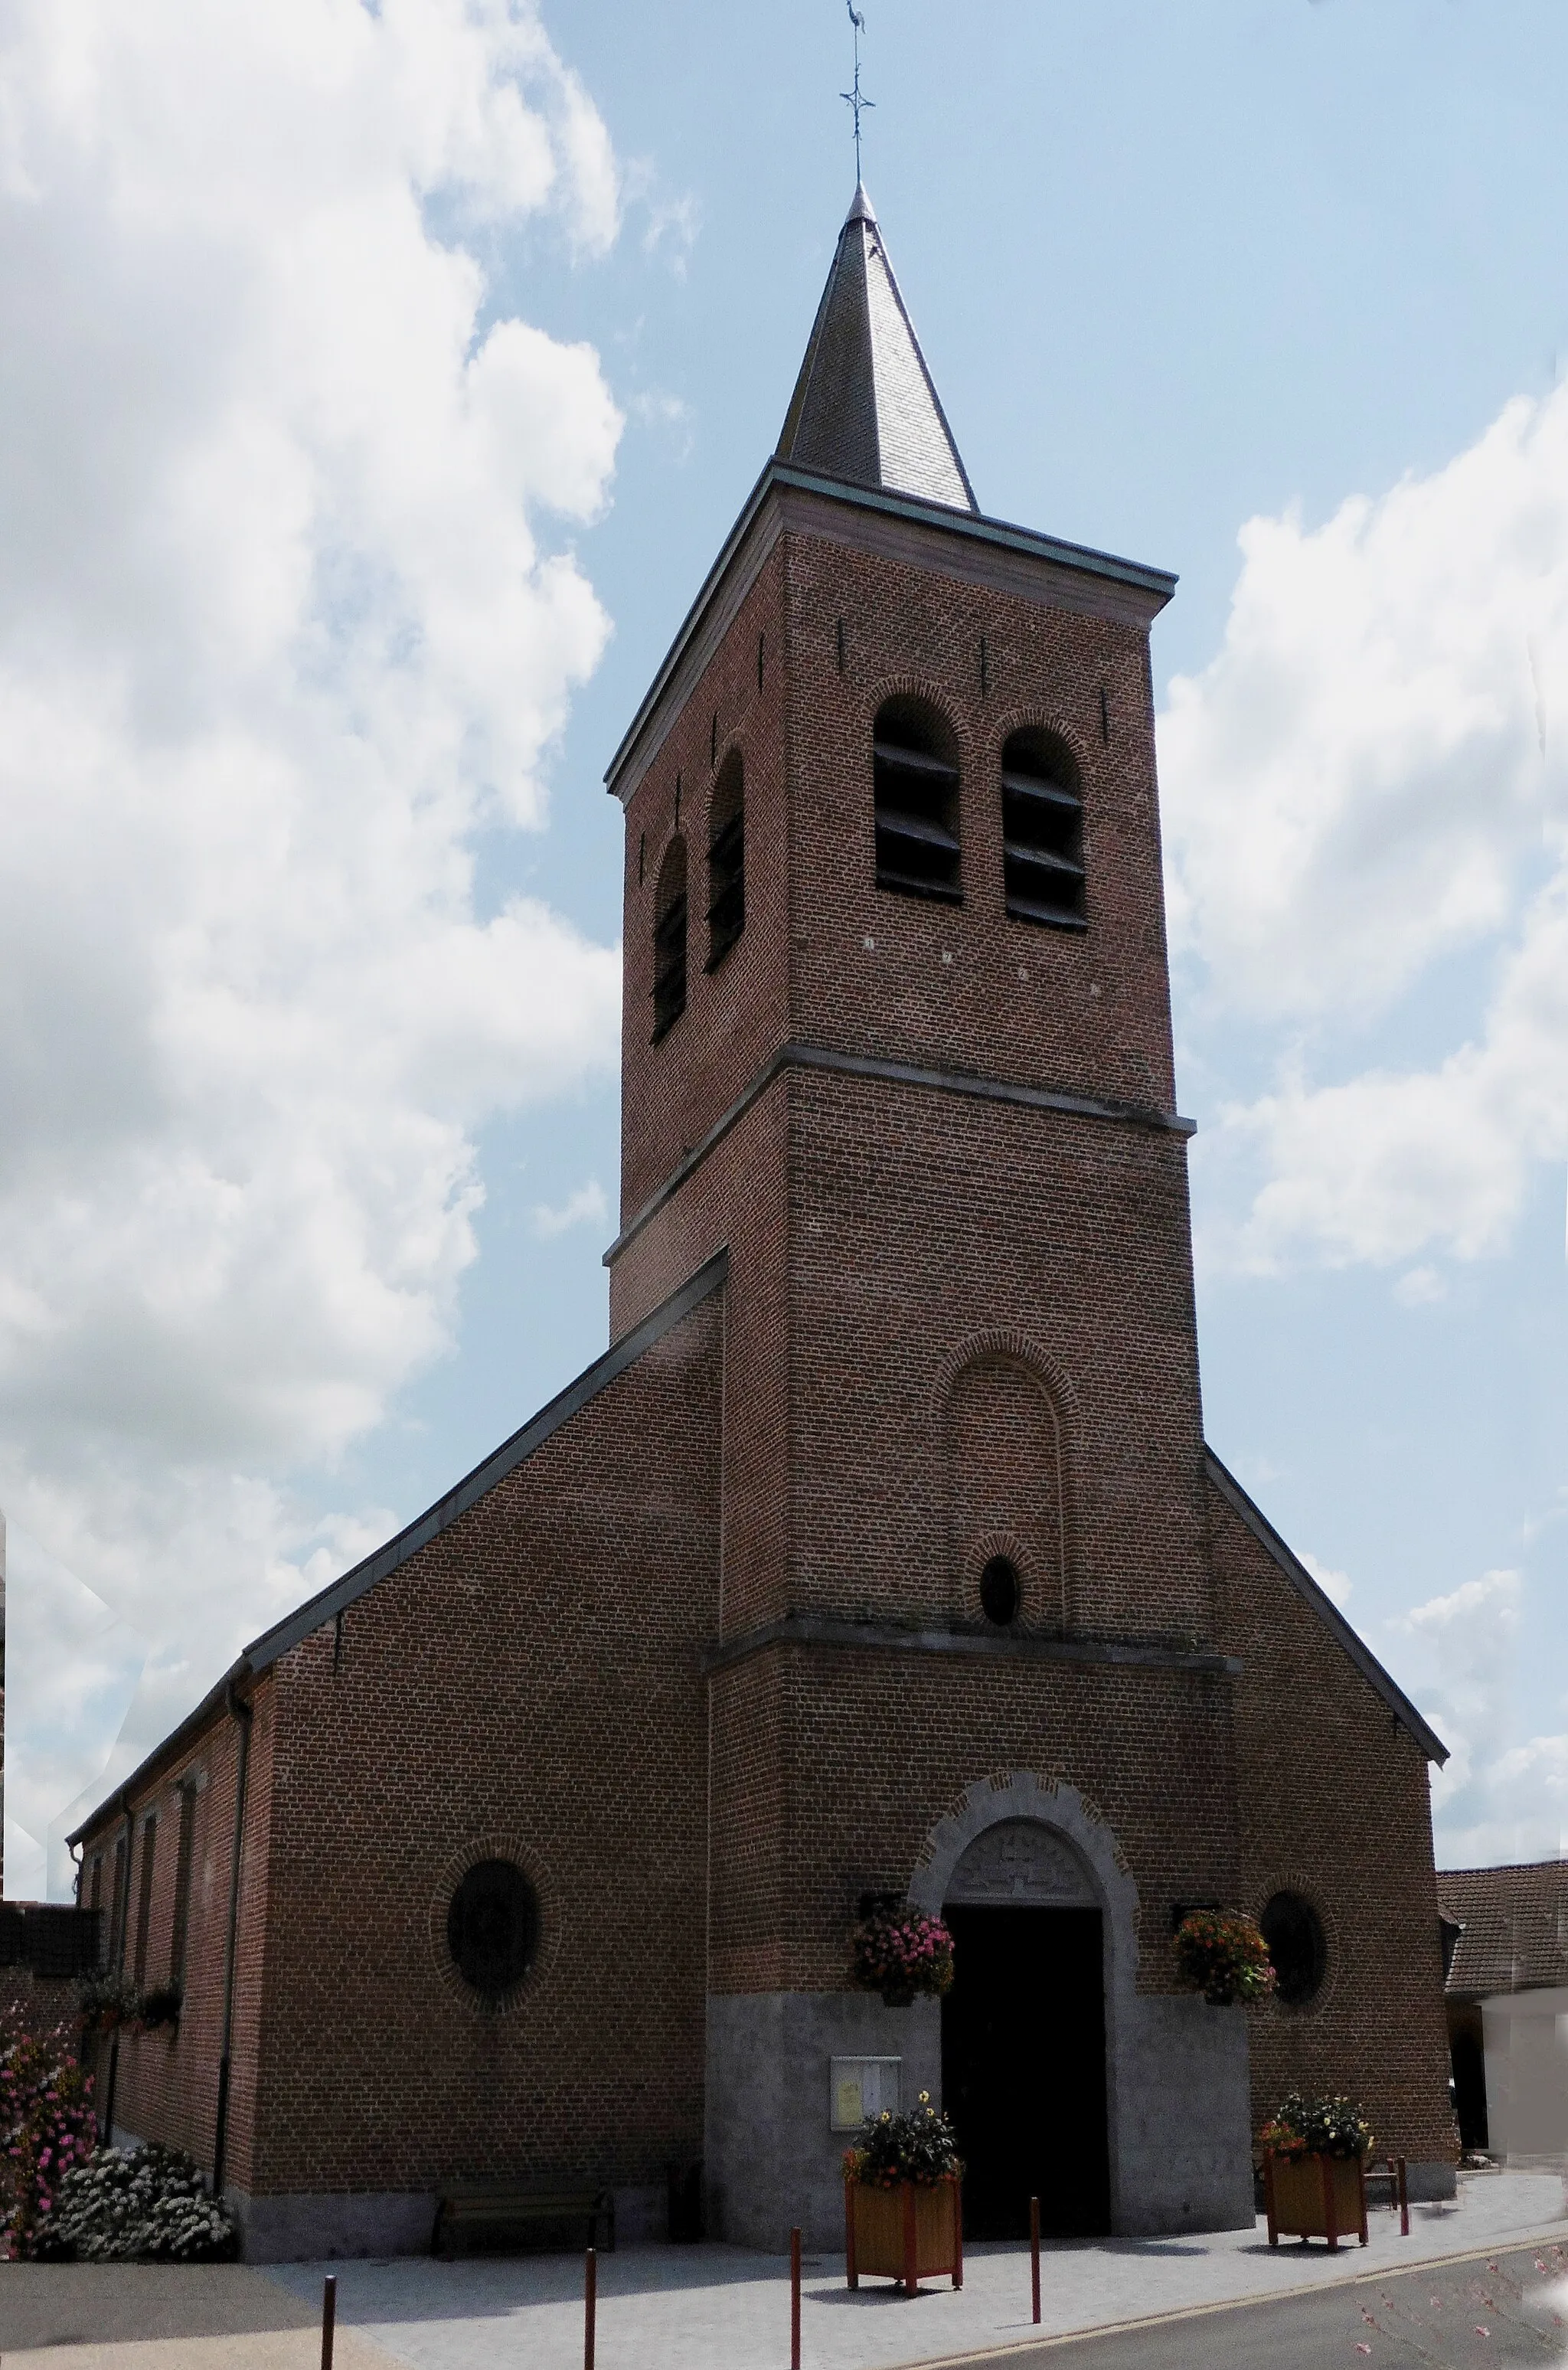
903,1954
1224,1957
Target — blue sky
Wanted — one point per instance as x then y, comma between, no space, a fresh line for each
1173,270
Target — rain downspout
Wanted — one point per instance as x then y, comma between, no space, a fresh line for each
106,2125
242,1714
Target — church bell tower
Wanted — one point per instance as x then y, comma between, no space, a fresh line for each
897,1041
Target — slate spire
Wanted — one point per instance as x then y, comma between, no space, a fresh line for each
864,408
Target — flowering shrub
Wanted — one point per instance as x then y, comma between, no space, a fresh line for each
901,1954
1317,2127
146,2204
1224,1957
918,2147
47,2128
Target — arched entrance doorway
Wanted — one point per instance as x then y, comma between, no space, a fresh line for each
1024,2034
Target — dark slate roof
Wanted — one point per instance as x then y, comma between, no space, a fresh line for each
1515,1926
864,409
314,1614
1325,1608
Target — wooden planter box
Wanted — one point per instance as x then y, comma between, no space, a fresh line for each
1314,2197
908,2234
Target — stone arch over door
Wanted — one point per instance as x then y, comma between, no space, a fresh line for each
1176,2089
1076,1849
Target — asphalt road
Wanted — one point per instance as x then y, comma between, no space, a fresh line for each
1508,2307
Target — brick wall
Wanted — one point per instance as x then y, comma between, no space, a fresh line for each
528,1683
1332,1797
167,2081
876,1746
940,984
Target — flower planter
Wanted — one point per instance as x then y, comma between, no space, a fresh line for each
909,2233
1314,2197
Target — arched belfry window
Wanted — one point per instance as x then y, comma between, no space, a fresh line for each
1042,831
670,941
726,860
916,771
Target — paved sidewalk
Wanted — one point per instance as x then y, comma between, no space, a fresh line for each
715,2308
164,2316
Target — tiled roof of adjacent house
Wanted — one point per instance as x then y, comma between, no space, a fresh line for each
1516,1925
864,409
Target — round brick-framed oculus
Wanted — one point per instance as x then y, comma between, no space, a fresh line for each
1001,1591
1297,1945
493,1928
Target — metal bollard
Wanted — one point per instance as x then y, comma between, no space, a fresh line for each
1034,2252
1405,2200
794,2300
328,2318
589,2306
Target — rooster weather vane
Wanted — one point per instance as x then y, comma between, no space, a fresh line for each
854,97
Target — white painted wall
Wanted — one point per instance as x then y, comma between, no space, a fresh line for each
1524,2036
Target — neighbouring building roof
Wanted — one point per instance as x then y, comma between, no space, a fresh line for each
865,409
1513,1926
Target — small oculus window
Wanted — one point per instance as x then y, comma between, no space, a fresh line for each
1002,1592
492,1927
726,860
1298,1946
670,941
915,771
1042,831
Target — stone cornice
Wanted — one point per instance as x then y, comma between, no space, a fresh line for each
817,1630
796,1055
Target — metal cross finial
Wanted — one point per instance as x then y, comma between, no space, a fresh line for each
854,97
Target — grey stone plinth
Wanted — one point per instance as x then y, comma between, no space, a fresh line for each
772,2158
1181,2124
301,2229
304,2228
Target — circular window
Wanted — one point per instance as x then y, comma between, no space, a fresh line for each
1297,1946
1001,1592
492,1927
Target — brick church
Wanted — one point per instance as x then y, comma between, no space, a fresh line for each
880,1556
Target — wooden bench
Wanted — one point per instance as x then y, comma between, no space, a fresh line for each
1388,2176
508,2210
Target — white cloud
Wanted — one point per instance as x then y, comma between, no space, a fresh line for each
1495,1799
1370,777
1421,1287
1518,1809
586,1207
1335,1584
285,615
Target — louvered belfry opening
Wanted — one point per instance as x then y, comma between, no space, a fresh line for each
670,941
726,859
1042,831
916,771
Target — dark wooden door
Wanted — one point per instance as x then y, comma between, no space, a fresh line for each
1023,2069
